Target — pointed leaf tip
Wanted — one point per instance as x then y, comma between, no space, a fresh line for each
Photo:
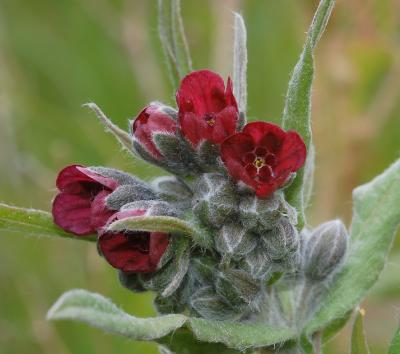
122,136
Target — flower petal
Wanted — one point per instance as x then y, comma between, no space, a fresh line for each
127,251
193,128
265,134
265,189
225,124
201,92
71,175
158,244
100,214
292,155
72,212
237,146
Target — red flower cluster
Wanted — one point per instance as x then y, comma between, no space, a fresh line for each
80,208
262,155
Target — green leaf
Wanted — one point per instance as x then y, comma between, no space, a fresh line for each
297,111
334,327
239,336
99,312
376,217
240,66
183,342
162,224
173,40
32,222
358,340
395,345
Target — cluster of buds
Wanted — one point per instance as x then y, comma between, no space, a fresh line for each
227,181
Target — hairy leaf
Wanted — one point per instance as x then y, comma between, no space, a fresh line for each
97,311
297,111
162,224
32,222
358,340
240,66
173,39
183,342
238,335
376,217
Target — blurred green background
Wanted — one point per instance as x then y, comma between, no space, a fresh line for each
57,55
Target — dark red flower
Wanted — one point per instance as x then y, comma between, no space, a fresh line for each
263,156
207,111
80,206
133,251
153,119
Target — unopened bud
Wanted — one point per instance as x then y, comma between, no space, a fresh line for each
324,250
263,214
214,200
258,264
234,239
237,287
282,241
171,188
209,305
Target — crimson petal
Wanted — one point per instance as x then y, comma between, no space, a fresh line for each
72,212
201,92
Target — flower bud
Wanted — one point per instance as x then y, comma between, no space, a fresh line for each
153,119
258,264
282,241
324,250
156,139
263,214
234,239
237,288
171,189
214,199
202,269
209,305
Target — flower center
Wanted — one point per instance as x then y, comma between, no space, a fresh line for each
259,162
210,119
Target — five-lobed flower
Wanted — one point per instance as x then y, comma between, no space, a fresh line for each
263,156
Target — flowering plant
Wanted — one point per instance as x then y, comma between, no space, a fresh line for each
223,240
